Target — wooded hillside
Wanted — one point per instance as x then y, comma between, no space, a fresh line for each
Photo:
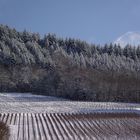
68,67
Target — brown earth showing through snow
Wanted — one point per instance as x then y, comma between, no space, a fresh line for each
75,126
33,117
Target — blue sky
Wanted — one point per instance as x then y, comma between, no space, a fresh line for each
97,21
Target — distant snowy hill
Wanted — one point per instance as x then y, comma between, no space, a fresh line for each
132,38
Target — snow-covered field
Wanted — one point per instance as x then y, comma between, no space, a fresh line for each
28,103
36,117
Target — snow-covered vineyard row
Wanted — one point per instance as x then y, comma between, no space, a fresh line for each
74,126
28,103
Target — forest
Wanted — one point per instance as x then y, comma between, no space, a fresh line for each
69,68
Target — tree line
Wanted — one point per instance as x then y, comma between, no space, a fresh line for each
68,67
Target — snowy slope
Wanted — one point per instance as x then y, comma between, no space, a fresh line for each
132,38
28,103
33,117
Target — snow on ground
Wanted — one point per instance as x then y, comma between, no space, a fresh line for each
40,117
29,103
53,126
